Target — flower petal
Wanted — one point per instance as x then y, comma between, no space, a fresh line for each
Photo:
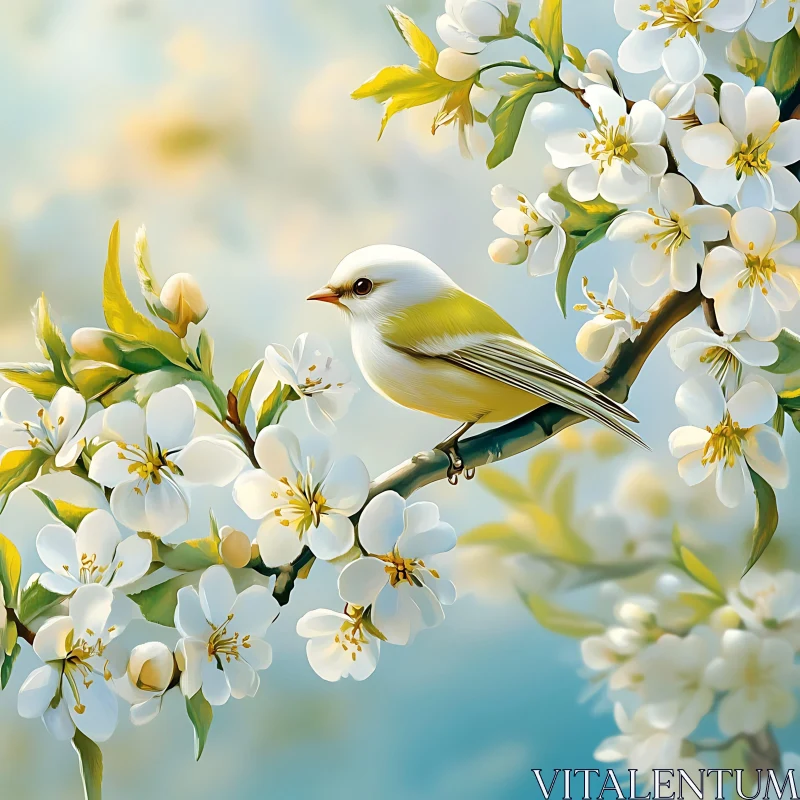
427,602
754,403
67,411
170,417
545,255
166,507
568,149
709,145
633,225
583,183
107,468
346,485
254,611
124,422
621,182
645,123
57,549
128,505
641,51
98,719
321,622
764,321
382,522
98,536
692,469
132,560
210,460
733,307
785,143
707,223
217,594
19,406
190,619
278,452
278,544
731,482
332,538
215,685
675,193
51,639
683,60
785,187
38,690
361,581
762,112
701,401
252,493
753,231
241,678
396,615
732,110
763,449
90,609
687,439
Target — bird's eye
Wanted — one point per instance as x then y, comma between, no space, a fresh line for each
362,286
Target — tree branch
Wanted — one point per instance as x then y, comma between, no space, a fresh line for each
536,427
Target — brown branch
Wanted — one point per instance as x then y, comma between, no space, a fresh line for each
23,632
536,427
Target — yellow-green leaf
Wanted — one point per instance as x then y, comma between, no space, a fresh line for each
550,32
244,394
122,317
201,715
68,513
18,467
90,759
783,72
8,665
502,485
501,536
94,379
582,218
274,405
38,379
561,620
509,114
10,570
700,572
766,519
788,361
190,555
51,342
158,603
418,41
541,470
564,268
702,605
35,600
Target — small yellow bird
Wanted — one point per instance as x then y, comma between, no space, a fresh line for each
424,343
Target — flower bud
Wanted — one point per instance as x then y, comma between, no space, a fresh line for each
91,343
183,301
234,547
508,251
150,667
455,66
724,618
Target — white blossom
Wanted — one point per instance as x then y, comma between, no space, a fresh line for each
321,381
677,100
339,646
672,237
614,320
73,688
755,281
150,460
773,19
599,69
728,437
769,604
668,33
465,22
539,237
727,357
404,593
745,154
25,424
303,497
759,677
94,553
222,647
617,160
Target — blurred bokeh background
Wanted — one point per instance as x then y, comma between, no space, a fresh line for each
228,130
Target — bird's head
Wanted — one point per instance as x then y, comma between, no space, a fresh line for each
381,280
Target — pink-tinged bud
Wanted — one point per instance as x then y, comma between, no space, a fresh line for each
234,547
183,301
508,251
91,343
150,666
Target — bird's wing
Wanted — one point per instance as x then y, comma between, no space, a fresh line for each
515,362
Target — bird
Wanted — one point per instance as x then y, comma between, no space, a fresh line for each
424,343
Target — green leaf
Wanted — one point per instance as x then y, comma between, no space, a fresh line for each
158,603
190,555
8,665
582,218
541,470
122,350
10,570
201,716
418,41
703,605
700,572
716,84
561,620
595,235
35,600
503,486
274,405
18,467
205,352
575,56
90,759
246,391
509,114
766,519
549,31
369,625
562,276
38,379
783,72
501,536
68,513
788,344
94,379
51,342
122,317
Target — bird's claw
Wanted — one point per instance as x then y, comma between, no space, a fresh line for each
456,465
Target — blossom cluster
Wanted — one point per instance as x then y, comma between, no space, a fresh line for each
134,414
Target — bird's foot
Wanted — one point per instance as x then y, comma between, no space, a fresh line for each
456,465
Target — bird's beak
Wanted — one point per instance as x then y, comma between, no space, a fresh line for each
326,294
